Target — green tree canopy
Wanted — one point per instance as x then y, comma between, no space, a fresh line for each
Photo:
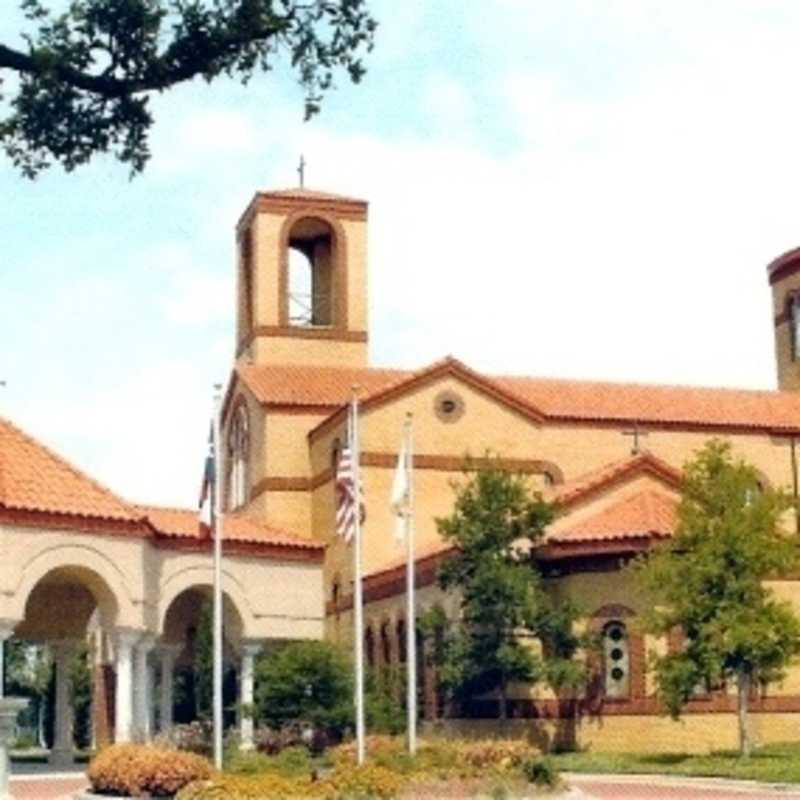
496,524
708,583
309,681
86,75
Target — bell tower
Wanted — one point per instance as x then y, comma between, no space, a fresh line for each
784,279
302,280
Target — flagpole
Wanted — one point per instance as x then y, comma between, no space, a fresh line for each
217,622
411,621
358,601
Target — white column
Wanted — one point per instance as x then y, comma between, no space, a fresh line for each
142,689
61,754
123,704
6,631
249,652
169,653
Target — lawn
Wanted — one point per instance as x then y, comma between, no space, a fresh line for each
776,763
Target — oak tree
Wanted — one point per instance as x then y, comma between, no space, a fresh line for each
708,583
509,627
85,75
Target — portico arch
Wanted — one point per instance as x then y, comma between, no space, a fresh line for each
71,608
203,575
89,567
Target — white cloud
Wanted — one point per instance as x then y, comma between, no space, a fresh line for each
618,228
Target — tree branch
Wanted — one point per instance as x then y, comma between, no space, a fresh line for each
170,68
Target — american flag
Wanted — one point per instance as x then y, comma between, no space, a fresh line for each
207,489
345,496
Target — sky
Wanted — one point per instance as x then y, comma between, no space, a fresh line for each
598,184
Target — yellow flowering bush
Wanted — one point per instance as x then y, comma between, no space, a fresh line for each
369,781
248,787
135,769
499,754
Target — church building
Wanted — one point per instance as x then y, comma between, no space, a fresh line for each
610,453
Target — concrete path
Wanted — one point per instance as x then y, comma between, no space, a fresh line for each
52,786
656,787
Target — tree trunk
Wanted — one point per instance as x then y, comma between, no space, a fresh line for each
743,681
503,703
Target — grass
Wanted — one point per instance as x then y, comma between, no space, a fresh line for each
40,756
776,763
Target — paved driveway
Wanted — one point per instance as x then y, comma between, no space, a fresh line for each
656,787
593,787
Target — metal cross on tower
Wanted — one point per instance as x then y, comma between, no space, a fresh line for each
301,170
635,433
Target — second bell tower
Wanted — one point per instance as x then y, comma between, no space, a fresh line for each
302,280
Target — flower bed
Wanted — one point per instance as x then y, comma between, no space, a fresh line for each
356,782
457,769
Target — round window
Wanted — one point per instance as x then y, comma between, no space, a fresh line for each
617,673
448,406
616,654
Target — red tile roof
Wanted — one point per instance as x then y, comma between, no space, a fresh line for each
184,523
328,387
310,194
552,399
586,485
626,402
648,513
34,479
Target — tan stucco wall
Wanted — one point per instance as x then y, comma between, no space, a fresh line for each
135,582
487,425
694,733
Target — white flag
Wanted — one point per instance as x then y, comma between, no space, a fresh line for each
400,500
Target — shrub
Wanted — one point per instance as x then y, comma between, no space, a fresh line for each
501,754
291,734
291,762
369,781
308,681
193,737
134,769
383,713
246,787
541,772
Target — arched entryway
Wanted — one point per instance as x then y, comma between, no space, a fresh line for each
186,666
187,643
69,615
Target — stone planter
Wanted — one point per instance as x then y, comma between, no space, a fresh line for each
89,795
9,709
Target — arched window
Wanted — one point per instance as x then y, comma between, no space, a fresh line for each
310,260
238,458
616,659
246,257
794,321
401,641
386,645
369,647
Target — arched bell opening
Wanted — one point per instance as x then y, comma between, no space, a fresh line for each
311,285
